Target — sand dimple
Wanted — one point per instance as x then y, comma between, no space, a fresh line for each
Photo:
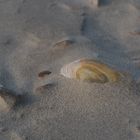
64,43
44,73
43,88
136,33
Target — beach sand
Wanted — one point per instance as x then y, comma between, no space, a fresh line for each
39,37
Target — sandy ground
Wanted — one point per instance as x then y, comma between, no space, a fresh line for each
32,33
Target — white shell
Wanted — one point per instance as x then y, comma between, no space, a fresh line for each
69,70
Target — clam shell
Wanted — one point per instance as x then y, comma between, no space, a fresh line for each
90,70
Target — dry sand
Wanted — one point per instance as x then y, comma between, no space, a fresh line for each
44,35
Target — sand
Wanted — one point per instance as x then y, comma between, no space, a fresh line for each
44,35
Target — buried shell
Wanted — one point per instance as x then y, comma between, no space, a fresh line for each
90,71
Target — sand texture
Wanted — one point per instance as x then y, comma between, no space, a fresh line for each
38,38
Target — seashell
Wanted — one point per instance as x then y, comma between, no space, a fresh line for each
90,70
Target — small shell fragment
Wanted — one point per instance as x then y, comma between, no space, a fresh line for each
7,99
90,70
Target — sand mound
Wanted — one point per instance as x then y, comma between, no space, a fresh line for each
39,37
